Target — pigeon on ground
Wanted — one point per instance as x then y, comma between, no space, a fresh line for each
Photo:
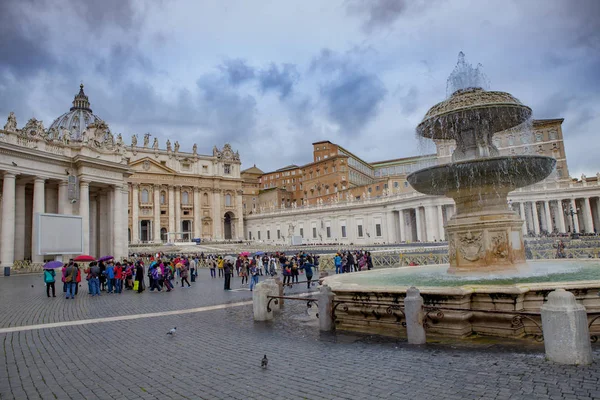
264,362
172,331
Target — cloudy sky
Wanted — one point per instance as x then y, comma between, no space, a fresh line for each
271,77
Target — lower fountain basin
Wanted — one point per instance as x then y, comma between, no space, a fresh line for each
507,173
462,305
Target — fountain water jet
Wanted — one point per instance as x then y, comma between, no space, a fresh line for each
484,234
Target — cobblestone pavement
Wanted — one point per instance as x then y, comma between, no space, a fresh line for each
216,355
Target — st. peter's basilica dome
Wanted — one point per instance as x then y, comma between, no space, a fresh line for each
78,117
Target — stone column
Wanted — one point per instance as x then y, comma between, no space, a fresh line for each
549,226
177,210
402,226
7,245
218,216
587,216
431,227
576,228
536,219
413,310
20,226
524,217
38,208
239,231
560,217
565,327
419,223
197,214
119,241
125,219
135,213
156,209
64,206
171,212
94,251
84,212
441,231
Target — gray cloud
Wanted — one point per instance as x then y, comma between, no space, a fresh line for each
278,80
376,13
237,71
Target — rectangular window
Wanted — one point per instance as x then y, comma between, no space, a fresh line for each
278,234
328,232
258,235
539,137
378,230
205,169
314,233
343,231
302,233
396,184
268,235
250,235
227,169
360,232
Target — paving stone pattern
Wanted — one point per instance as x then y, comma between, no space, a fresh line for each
217,354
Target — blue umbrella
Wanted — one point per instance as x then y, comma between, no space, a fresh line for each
53,265
259,253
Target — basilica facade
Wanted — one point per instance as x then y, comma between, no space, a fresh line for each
137,192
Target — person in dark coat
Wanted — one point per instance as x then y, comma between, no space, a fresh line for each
228,270
139,276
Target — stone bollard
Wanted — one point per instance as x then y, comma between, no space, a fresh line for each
326,297
413,311
259,303
565,327
273,291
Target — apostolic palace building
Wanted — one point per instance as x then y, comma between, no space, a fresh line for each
140,192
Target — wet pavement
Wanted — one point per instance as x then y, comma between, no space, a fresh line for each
217,350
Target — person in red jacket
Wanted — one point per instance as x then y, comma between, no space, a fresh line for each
118,278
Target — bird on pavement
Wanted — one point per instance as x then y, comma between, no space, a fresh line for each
264,362
172,331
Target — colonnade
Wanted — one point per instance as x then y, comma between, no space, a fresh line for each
423,223
24,196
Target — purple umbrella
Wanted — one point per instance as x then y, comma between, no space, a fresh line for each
105,258
53,265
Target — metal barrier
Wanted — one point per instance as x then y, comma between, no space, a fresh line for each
275,299
390,310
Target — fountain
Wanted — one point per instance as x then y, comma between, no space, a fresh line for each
488,286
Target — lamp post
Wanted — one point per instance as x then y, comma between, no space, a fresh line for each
573,213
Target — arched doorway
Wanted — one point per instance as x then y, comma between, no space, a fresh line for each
228,230
163,234
186,228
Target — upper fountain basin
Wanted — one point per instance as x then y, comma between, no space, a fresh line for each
510,172
499,109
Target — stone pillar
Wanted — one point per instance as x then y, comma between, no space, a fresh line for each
177,210
119,242
38,208
217,215
565,327
84,212
259,303
20,226
94,227
171,212
274,291
561,216
326,297
549,226
7,244
524,217
125,219
402,227
441,230
587,216
413,311
431,227
135,213
197,214
575,217
156,209
239,231
536,219
64,206
419,223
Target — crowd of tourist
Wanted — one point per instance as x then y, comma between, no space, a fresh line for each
352,261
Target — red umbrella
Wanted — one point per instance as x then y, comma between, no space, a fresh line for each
84,258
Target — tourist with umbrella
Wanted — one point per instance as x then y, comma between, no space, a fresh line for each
50,276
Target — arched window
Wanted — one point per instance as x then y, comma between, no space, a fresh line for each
227,200
205,199
163,198
185,198
145,196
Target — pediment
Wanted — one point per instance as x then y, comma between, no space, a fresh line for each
148,165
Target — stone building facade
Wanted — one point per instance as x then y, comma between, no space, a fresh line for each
139,192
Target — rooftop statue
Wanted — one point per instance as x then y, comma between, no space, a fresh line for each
11,123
